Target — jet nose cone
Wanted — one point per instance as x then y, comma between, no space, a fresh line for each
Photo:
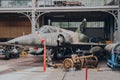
22,40
13,41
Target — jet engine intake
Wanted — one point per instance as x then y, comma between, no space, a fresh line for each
113,51
60,40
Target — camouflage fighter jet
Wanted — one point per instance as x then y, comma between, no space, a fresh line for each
62,42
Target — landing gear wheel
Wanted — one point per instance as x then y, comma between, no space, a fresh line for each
91,62
68,63
24,53
7,56
17,55
78,65
96,61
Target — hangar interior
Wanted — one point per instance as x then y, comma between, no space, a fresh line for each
100,25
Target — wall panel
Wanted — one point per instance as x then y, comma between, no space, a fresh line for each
14,27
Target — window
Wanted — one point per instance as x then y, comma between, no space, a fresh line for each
97,24
24,3
66,24
74,24
60,24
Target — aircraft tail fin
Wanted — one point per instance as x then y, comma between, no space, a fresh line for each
82,26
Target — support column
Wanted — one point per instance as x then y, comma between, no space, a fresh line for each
35,16
118,32
33,21
119,20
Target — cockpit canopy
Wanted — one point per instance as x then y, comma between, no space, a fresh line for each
48,29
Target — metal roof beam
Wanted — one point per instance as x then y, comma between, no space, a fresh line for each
59,9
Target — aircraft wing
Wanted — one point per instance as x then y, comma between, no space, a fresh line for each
91,44
87,46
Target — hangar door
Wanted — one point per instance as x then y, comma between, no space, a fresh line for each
13,25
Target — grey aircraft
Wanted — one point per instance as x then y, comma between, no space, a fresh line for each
60,42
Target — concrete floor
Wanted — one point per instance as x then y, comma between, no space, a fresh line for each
29,68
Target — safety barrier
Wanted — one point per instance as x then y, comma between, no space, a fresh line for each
44,43
86,73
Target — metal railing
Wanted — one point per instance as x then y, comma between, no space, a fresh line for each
59,3
15,3
55,3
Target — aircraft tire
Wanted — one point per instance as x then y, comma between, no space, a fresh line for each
16,56
7,56
68,63
78,65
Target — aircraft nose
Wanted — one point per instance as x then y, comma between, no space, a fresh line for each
22,40
16,40
13,41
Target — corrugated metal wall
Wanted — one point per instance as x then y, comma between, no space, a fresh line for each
12,26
